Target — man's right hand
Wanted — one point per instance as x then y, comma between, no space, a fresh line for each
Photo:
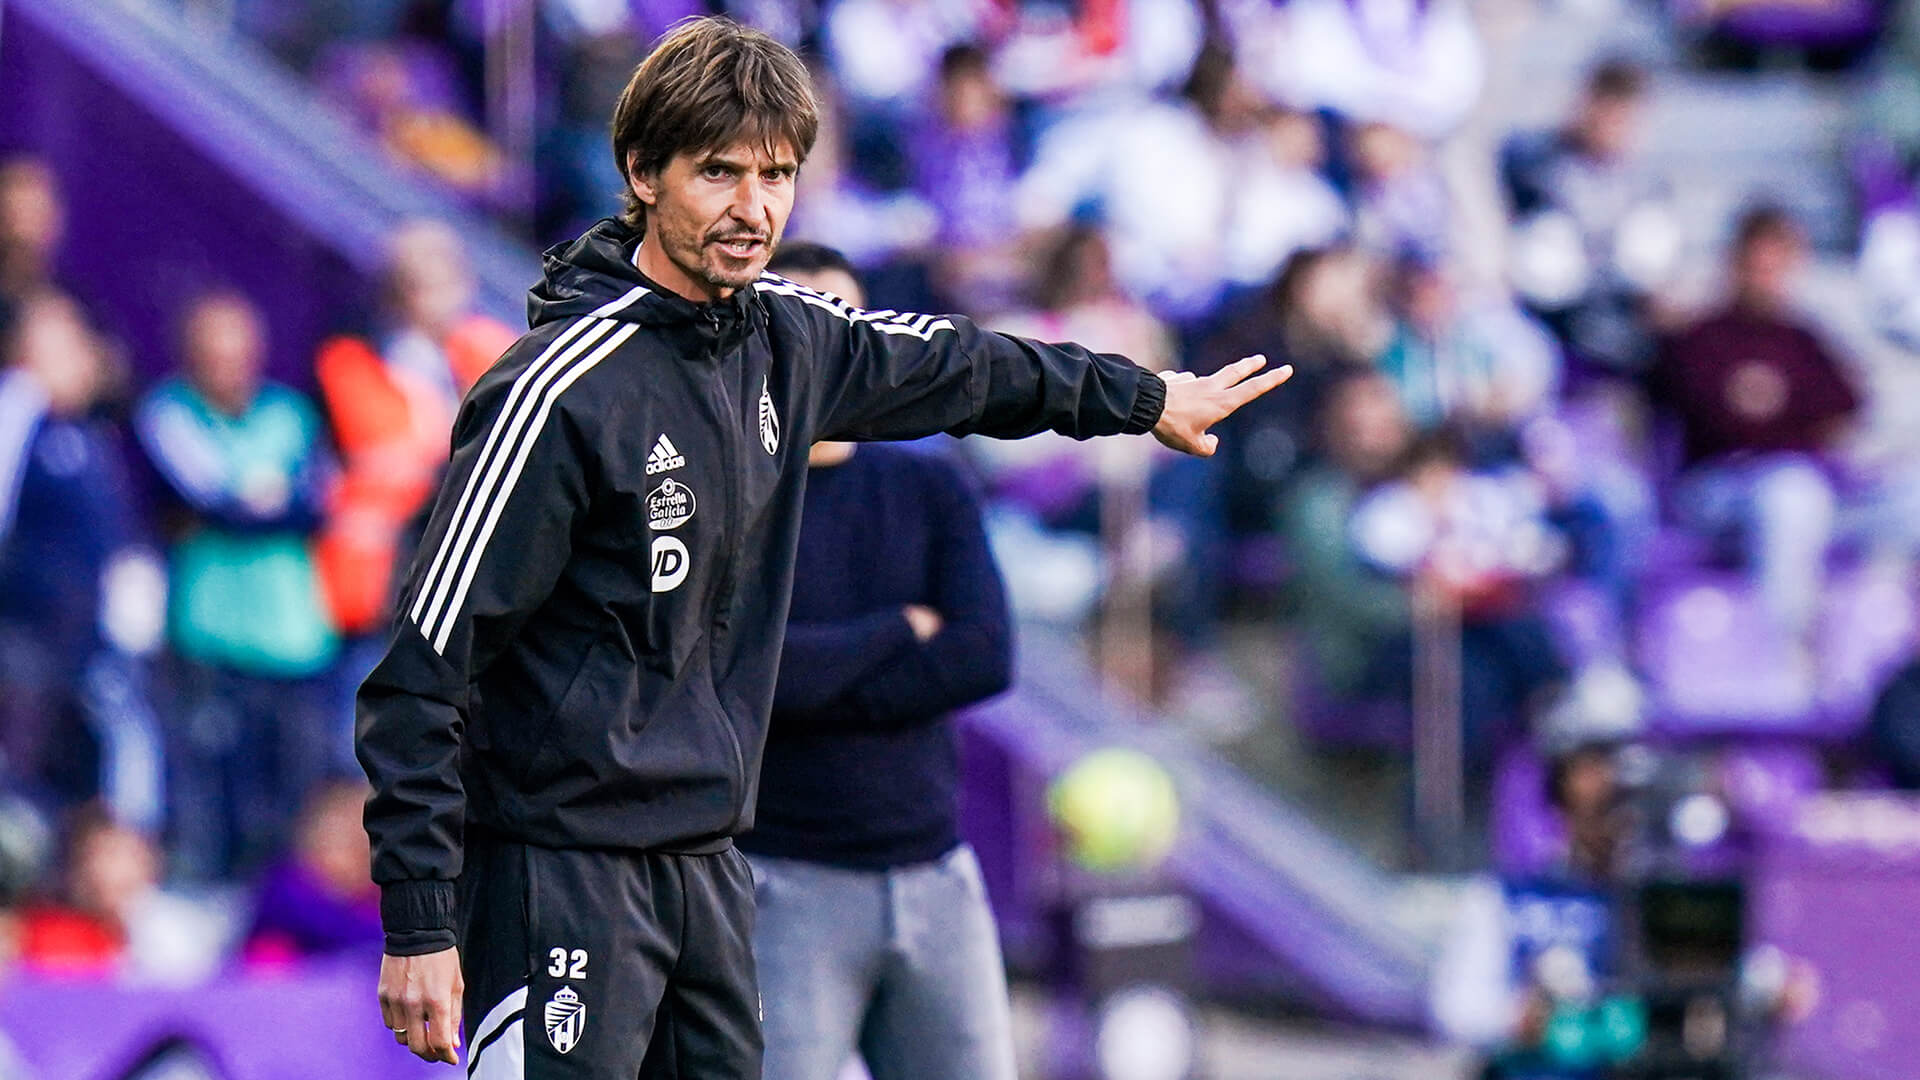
420,1003
925,621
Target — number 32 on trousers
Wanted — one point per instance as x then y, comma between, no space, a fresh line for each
562,964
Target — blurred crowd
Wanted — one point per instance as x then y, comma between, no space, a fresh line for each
1510,433
194,574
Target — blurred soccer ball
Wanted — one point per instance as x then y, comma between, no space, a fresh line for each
1117,810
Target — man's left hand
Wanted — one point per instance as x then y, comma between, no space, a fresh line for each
1196,403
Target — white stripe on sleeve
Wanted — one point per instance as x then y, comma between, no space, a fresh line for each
887,322
507,429
471,563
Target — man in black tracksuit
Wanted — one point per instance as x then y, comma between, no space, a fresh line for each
567,729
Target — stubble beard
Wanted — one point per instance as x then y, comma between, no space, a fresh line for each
704,262
715,273
716,270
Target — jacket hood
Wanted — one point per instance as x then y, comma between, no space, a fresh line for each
594,274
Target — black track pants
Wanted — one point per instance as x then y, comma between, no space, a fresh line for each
604,965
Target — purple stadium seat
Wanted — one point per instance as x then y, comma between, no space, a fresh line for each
1832,24
1585,622
1764,782
1673,552
1596,428
1527,836
1050,489
1879,177
1868,628
1716,663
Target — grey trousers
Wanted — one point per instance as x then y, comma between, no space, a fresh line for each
901,966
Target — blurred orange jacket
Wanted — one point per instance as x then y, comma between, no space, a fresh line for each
62,942
393,432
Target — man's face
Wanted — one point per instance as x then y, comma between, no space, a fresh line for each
1369,426
54,342
1339,297
716,215
1591,784
30,212
1610,127
224,345
1383,152
1294,139
112,869
432,287
971,100
1764,272
1429,300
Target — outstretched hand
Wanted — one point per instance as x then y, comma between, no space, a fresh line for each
1196,403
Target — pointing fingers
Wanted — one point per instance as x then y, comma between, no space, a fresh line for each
1260,384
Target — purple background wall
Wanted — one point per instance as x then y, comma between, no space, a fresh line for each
186,171
1838,890
153,220
320,1025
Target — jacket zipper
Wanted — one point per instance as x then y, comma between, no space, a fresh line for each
733,482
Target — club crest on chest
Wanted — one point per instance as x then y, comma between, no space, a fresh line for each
769,421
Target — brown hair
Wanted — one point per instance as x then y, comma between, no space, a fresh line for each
1763,222
1057,283
709,83
1617,80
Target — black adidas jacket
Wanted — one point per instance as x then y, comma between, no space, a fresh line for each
585,650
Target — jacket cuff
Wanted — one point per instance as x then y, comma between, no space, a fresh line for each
418,916
419,942
1149,401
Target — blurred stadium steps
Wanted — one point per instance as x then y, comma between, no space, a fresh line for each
1722,140
237,160
1728,141
1288,913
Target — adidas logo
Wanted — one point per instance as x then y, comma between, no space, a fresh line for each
663,457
